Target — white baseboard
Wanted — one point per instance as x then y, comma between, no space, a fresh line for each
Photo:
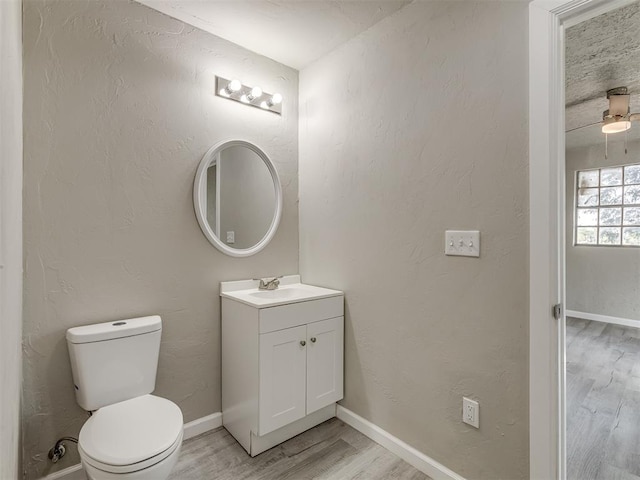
74,472
625,322
419,460
191,429
202,425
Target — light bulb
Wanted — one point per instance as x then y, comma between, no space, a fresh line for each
234,86
616,126
276,98
264,105
223,92
244,99
256,92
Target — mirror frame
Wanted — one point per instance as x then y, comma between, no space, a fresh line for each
200,198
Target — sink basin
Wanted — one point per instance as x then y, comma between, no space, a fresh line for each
291,290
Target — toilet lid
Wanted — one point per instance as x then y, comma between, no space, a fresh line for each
131,431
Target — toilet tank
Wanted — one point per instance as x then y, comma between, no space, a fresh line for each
114,361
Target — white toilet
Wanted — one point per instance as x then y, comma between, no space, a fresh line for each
131,434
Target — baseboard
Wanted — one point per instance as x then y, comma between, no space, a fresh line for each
202,425
419,460
74,472
191,429
625,322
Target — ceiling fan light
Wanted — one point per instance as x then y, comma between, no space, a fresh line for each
616,125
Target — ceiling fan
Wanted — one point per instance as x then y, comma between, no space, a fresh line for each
618,117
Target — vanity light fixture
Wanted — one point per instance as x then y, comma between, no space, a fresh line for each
254,96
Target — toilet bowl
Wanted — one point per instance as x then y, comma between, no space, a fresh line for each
131,434
135,439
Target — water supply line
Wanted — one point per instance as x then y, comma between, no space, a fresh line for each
59,449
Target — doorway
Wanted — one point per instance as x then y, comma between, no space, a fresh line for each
547,23
602,246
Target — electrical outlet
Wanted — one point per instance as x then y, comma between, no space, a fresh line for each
471,412
231,237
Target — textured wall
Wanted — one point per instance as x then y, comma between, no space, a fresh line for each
416,126
119,110
601,280
10,235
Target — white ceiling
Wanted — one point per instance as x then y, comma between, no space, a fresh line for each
292,32
601,53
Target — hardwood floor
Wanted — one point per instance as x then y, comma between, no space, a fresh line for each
603,401
332,450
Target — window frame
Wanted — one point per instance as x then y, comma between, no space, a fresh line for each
599,207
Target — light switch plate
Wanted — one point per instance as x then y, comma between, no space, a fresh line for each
231,237
465,243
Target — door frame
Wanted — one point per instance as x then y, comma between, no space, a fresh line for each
547,21
11,146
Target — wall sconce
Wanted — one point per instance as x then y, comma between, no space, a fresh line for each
254,96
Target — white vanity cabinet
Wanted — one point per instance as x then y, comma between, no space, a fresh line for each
282,363
301,371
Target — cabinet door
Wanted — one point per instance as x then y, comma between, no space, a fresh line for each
283,363
325,361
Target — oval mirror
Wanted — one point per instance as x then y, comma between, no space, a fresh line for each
237,198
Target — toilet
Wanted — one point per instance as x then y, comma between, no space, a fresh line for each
131,434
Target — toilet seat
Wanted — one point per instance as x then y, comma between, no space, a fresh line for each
131,435
135,467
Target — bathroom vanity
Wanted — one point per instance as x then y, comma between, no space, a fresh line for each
282,359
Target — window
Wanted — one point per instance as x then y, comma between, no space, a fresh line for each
608,206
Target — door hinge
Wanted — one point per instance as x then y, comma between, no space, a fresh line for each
557,311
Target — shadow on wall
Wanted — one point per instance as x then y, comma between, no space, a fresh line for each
353,367
61,400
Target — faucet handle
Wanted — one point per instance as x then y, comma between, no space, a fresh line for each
262,285
267,279
268,284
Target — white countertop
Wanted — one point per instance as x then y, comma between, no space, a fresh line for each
291,290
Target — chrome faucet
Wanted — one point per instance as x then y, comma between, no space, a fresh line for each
268,284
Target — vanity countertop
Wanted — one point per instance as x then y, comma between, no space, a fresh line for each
291,290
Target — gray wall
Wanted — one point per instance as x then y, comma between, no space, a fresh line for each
416,126
247,197
601,280
119,110
10,235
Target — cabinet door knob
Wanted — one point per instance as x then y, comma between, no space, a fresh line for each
313,339
303,343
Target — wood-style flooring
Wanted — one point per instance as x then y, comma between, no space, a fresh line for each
603,401
332,450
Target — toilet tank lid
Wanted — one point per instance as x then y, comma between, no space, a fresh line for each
116,329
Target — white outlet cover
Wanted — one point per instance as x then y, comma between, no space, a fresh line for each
471,412
464,243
